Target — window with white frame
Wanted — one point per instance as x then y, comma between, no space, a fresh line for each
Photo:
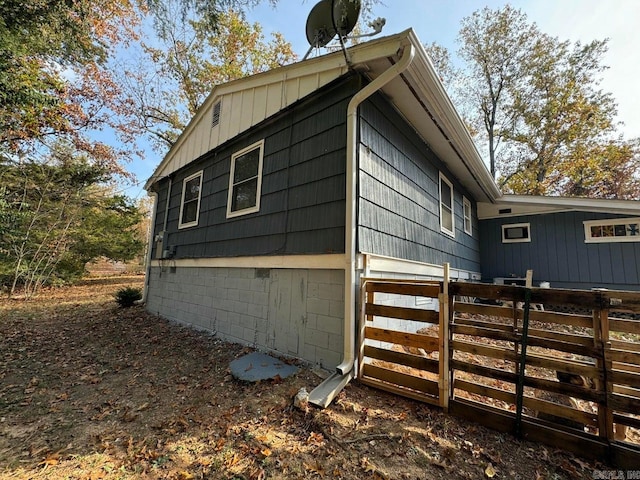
612,230
466,210
190,203
245,180
516,233
446,206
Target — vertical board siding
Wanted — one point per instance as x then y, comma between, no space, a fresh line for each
399,205
303,185
558,253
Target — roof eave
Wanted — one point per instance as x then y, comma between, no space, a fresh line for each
537,205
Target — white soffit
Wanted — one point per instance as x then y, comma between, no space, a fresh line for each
515,205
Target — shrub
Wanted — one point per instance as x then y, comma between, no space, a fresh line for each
126,297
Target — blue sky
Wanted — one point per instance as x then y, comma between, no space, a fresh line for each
439,21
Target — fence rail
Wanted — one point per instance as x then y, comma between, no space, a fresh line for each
501,358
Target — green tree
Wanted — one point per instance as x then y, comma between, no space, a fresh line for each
495,45
535,103
61,215
177,71
51,83
209,11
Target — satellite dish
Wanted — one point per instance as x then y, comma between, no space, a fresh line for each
320,29
329,18
345,15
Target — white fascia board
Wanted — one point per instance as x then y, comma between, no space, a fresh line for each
539,205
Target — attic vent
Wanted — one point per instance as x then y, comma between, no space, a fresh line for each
215,119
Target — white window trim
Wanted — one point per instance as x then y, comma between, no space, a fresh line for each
516,240
237,154
184,184
609,221
466,207
451,232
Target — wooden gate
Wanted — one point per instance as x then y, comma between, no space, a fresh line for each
500,361
401,332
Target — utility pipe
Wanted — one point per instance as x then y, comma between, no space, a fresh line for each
166,207
151,233
350,200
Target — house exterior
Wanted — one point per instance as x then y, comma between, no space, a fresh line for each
288,186
577,243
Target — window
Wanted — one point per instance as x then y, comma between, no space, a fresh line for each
466,208
190,203
215,118
613,230
446,206
245,181
516,233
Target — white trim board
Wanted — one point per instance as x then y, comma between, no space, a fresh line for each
330,262
376,263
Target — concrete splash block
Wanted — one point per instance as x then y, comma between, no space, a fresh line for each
258,366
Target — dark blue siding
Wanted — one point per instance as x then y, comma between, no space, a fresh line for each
399,209
303,186
558,253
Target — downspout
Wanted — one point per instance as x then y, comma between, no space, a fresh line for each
150,238
350,200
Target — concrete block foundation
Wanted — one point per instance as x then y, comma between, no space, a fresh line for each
295,312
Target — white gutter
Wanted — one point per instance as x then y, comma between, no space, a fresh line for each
350,287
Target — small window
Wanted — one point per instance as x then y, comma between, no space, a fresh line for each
446,206
613,230
466,207
215,118
515,233
190,203
245,181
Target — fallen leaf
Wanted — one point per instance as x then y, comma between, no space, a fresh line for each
366,465
266,452
490,472
50,460
219,444
316,439
316,469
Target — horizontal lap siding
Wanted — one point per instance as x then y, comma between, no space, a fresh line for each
303,186
399,209
558,253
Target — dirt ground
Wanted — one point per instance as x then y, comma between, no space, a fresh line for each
91,391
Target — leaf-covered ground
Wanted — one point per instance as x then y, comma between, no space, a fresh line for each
91,391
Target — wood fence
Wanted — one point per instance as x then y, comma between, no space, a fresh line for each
494,354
